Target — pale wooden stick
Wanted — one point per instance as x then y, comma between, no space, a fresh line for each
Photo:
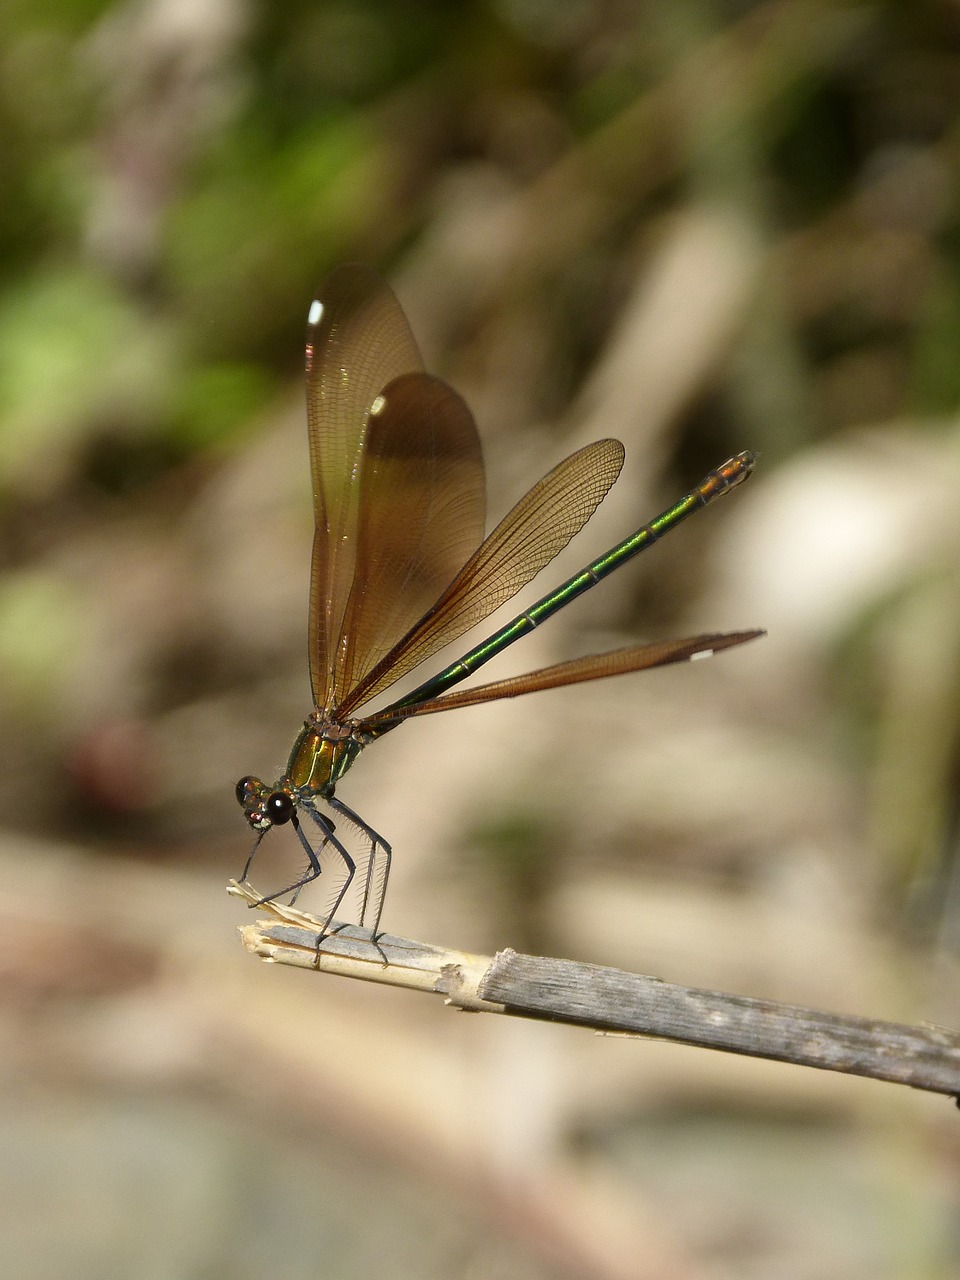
606,999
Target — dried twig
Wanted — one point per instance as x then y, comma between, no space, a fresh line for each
924,1057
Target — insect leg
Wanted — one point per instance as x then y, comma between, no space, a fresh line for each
256,846
313,868
378,868
326,826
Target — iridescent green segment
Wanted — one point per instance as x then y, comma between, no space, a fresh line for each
717,483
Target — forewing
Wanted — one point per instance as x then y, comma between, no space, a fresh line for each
422,514
527,539
358,340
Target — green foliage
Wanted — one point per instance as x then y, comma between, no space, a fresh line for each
215,401
74,351
244,247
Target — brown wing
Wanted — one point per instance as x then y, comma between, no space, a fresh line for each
422,513
527,539
358,340
595,667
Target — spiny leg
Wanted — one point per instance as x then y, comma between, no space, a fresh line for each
313,869
256,846
375,884
326,826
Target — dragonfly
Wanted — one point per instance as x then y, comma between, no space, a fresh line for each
400,568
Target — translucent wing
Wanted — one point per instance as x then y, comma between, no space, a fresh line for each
358,340
527,539
422,514
595,667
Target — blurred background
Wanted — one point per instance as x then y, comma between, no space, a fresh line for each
698,226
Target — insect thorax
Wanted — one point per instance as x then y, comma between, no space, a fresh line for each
322,753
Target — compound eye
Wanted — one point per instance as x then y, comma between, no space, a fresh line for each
247,788
278,808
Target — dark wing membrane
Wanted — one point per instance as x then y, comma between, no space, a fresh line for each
596,667
527,539
358,340
422,515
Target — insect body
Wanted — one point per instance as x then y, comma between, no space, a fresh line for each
401,568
